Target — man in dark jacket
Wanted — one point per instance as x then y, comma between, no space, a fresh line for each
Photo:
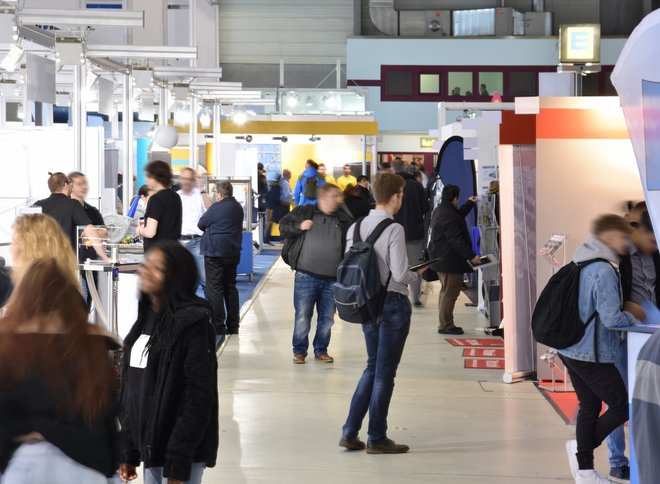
450,241
315,239
639,271
411,216
221,247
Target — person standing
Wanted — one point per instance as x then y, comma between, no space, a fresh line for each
57,383
323,173
385,338
591,362
347,179
286,195
222,225
314,247
69,213
164,215
307,185
411,216
450,241
355,202
194,204
169,387
639,269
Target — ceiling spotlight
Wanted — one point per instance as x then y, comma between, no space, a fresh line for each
181,114
309,101
330,101
239,117
247,138
315,138
205,118
291,100
283,139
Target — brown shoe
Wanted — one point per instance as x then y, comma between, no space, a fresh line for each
325,358
299,359
352,443
387,447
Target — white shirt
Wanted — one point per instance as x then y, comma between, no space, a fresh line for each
193,209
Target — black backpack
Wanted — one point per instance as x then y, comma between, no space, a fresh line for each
556,318
359,294
310,187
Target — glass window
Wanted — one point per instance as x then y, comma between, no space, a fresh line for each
399,83
491,83
14,112
522,84
429,83
460,84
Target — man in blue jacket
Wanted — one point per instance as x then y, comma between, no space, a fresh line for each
221,247
308,185
591,363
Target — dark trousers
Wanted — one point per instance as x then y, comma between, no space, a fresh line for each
594,384
221,292
385,342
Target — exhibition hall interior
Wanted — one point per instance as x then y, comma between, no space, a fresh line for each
338,241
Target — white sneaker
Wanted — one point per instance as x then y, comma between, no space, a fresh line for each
590,477
571,452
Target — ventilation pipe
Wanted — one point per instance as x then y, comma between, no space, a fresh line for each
384,16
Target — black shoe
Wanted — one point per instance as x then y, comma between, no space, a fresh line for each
232,331
622,473
454,331
352,443
418,304
387,447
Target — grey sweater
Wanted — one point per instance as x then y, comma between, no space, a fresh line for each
390,249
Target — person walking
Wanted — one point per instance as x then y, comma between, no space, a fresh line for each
323,173
307,185
169,392
286,195
385,338
591,362
222,225
411,216
347,179
164,215
194,204
450,241
314,247
57,383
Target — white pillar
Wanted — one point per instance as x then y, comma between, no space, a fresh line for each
127,138
374,157
78,113
217,118
192,132
364,154
163,108
338,72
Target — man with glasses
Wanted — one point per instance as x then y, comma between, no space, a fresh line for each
195,203
69,213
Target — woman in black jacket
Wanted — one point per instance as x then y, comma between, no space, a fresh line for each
169,396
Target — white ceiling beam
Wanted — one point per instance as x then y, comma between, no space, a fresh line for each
142,52
166,71
85,17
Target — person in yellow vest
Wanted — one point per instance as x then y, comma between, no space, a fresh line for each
347,179
323,173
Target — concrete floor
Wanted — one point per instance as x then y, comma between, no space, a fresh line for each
280,423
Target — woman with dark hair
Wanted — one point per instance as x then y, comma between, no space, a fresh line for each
164,214
169,396
57,384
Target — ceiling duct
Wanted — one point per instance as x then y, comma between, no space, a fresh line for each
384,16
409,22
401,5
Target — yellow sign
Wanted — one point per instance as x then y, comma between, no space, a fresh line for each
427,141
580,44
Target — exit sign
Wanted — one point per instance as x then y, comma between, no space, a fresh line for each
580,44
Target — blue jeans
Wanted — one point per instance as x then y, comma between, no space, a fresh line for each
308,292
616,441
154,475
193,247
40,462
385,342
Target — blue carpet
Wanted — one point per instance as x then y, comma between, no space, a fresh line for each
262,264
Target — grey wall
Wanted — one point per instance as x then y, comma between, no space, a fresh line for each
301,76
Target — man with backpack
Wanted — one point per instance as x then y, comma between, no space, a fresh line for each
385,336
591,360
308,184
314,246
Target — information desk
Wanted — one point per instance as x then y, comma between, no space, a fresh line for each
637,336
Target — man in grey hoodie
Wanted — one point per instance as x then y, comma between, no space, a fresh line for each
591,363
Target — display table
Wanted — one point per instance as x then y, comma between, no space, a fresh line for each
637,336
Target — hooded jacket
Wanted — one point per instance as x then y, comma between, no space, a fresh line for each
600,291
183,424
299,191
450,239
413,208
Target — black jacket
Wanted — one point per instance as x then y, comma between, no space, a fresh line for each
223,229
358,206
414,207
450,238
625,268
294,237
183,426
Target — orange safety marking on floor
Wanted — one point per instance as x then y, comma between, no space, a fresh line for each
476,342
484,364
483,353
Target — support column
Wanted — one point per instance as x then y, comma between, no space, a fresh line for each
163,108
217,119
192,132
78,114
364,154
374,157
127,138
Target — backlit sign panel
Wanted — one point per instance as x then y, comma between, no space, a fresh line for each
580,44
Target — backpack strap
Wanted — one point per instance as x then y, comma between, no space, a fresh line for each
378,231
356,231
